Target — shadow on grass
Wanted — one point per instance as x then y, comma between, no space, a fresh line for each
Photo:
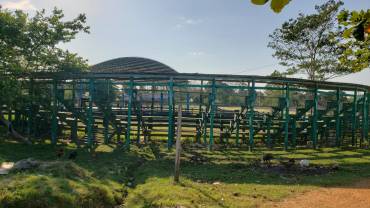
230,166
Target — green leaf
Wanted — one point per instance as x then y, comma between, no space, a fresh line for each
343,16
278,5
348,33
259,2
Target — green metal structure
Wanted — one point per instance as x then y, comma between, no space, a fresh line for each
252,111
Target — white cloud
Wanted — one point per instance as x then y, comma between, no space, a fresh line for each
190,21
187,22
18,5
197,53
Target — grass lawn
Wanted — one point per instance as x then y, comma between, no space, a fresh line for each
142,177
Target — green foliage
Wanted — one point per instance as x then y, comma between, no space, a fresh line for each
309,44
30,44
356,44
276,5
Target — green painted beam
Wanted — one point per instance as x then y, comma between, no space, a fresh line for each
197,76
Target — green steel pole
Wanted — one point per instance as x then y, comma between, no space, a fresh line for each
170,113
123,98
187,102
337,118
212,116
107,115
161,101
269,141
75,121
54,121
201,97
294,132
237,129
314,119
366,116
106,127
354,113
205,122
152,103
286,124
90,119
138,124
30,108
251,115
129,112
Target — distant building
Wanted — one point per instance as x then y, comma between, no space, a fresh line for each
132,65
135,65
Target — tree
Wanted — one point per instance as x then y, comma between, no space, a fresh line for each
30,44
309,44
356,43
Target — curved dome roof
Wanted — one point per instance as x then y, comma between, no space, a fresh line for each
132,65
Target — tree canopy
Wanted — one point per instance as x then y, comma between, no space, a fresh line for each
31,44
309,44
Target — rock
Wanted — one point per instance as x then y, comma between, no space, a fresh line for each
267,157
5,167
216,183
335,167
25,164
130,184
236,194
304,163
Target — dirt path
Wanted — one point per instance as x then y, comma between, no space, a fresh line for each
357,195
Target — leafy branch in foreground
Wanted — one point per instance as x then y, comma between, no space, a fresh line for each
276,5
356,43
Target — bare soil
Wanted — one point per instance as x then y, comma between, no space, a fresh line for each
356,195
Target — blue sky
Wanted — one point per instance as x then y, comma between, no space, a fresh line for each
205,36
